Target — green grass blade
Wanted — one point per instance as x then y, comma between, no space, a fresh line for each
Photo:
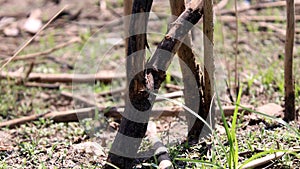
228,157
195,114
234,149
279,120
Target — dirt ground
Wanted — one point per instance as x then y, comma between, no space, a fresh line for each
45,143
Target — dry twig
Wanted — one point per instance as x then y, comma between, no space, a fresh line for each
258,6
45,52
32,38
103,76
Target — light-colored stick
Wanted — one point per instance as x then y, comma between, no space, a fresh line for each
32,38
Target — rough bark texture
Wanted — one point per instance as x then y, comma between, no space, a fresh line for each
289,113
139,102
127,11
136,114
191,79
209,66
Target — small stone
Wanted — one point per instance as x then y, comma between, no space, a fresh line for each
34,22
90,148
165,164
271,109
11,30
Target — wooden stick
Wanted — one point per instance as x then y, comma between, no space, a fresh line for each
42,85
114,112
117,91
32,38
19,121
229,110
103,76
171,95
258,6
289,88
46,52
73,115
191,78
209,64
280,33
84,100
247,18
220,5
264,160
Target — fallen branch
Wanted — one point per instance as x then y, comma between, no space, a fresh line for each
84,100
103,76
280,33
264,160
258,6
19,121
171,95
118,91
46,52
245,18
113,112
42,85
220,5
229,110
79,114
32,38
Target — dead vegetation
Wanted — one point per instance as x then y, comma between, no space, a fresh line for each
44,84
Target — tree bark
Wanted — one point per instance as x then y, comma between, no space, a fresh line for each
127,12
191,79
140,99
136,114
289,113
256,7
209,65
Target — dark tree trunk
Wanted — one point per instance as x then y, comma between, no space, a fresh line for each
136,114
289,113
140,99
191,79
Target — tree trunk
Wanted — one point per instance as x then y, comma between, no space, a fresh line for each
140,99
289,113
209,65
136,114
191,79
127,12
